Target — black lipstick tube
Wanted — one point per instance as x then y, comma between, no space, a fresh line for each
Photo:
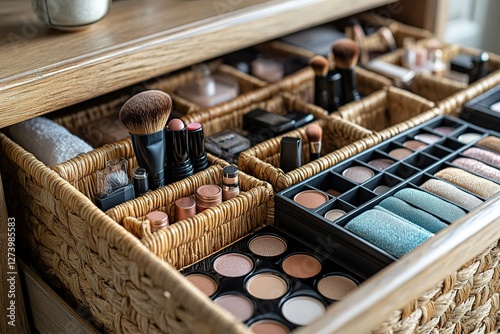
150,153
178,163
197,152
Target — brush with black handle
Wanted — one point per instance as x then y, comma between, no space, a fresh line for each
320,66
314,132
346,54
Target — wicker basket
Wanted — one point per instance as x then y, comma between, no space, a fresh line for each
188,241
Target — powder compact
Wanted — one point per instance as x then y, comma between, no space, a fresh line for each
484,110
380,204
272,282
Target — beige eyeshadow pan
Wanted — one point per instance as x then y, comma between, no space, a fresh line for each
268,326
311,198
358,174
239,306
204,283
233,265
336,287
301,266
266,286
400,153
267,245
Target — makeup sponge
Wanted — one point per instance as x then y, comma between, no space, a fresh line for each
414,215
431,204
490,142
489,157
478,167
395,236
451,193
48,141
475,184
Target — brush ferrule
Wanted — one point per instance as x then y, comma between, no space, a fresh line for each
150,153
315,147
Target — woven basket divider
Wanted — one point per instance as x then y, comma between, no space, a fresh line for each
233,119
262,160
384,108
466,301
105,268
190,240
172,82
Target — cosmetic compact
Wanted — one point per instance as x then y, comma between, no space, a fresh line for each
270,280
227,144
380,204
484,110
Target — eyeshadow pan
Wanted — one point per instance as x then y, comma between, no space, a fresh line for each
358,174
233,265
468,137
400,153
451,193
381,164
266,286
478,167
311,198
444,130
301,266
336,287
204,283
237,305
267,245
427,138
414,144
268,327
334,214
302,310
489,157
475,184
491,143
382,189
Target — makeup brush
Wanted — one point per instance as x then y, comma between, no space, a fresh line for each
333,85
145,115
314,133
346,54
319,64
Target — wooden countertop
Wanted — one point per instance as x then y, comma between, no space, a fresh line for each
42,70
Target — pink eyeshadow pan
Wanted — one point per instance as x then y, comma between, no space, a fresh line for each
427,138
381,164
237,305
204,283
400,153
311,198
233,265
414,144
358,174
444,130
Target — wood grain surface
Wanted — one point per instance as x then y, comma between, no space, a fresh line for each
42,70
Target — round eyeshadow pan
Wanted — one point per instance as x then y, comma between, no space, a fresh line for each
302,310
382,189
267,245
268,327
266,286
237,305
444,130
468,137
336,287
233,265
311,198
358,174
334,214
400,153
204,283
414,144
381,164
427,138
301,266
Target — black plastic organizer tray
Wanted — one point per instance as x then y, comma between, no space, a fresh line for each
331,237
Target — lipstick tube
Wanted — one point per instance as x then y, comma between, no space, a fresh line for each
196,141
177,152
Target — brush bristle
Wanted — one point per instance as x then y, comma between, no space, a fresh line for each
314,133
388,37
146,112
346,53
320,65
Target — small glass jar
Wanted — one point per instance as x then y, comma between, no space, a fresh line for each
230,187
207,196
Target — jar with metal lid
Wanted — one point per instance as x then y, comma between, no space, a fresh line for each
157,220
207,196
230,187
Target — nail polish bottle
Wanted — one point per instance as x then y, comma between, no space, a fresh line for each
209,89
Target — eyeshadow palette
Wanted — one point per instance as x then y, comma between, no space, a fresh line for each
272,282
484,110
380,204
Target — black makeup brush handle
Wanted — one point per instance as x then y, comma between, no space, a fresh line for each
334,90
349,86
321,92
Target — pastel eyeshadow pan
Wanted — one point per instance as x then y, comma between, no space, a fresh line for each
267,245
358,174
478,167
233,265
204,283
400,153
266,286
302,310
239,306
382,189
488,157
301,266
451,193
268,326
381,164
491,143
414,144
427,138
470,182
444,130
336,287
334,214
468,137
431,204
311,198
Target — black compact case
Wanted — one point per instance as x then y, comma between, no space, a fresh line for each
343,193
479,110
303,287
